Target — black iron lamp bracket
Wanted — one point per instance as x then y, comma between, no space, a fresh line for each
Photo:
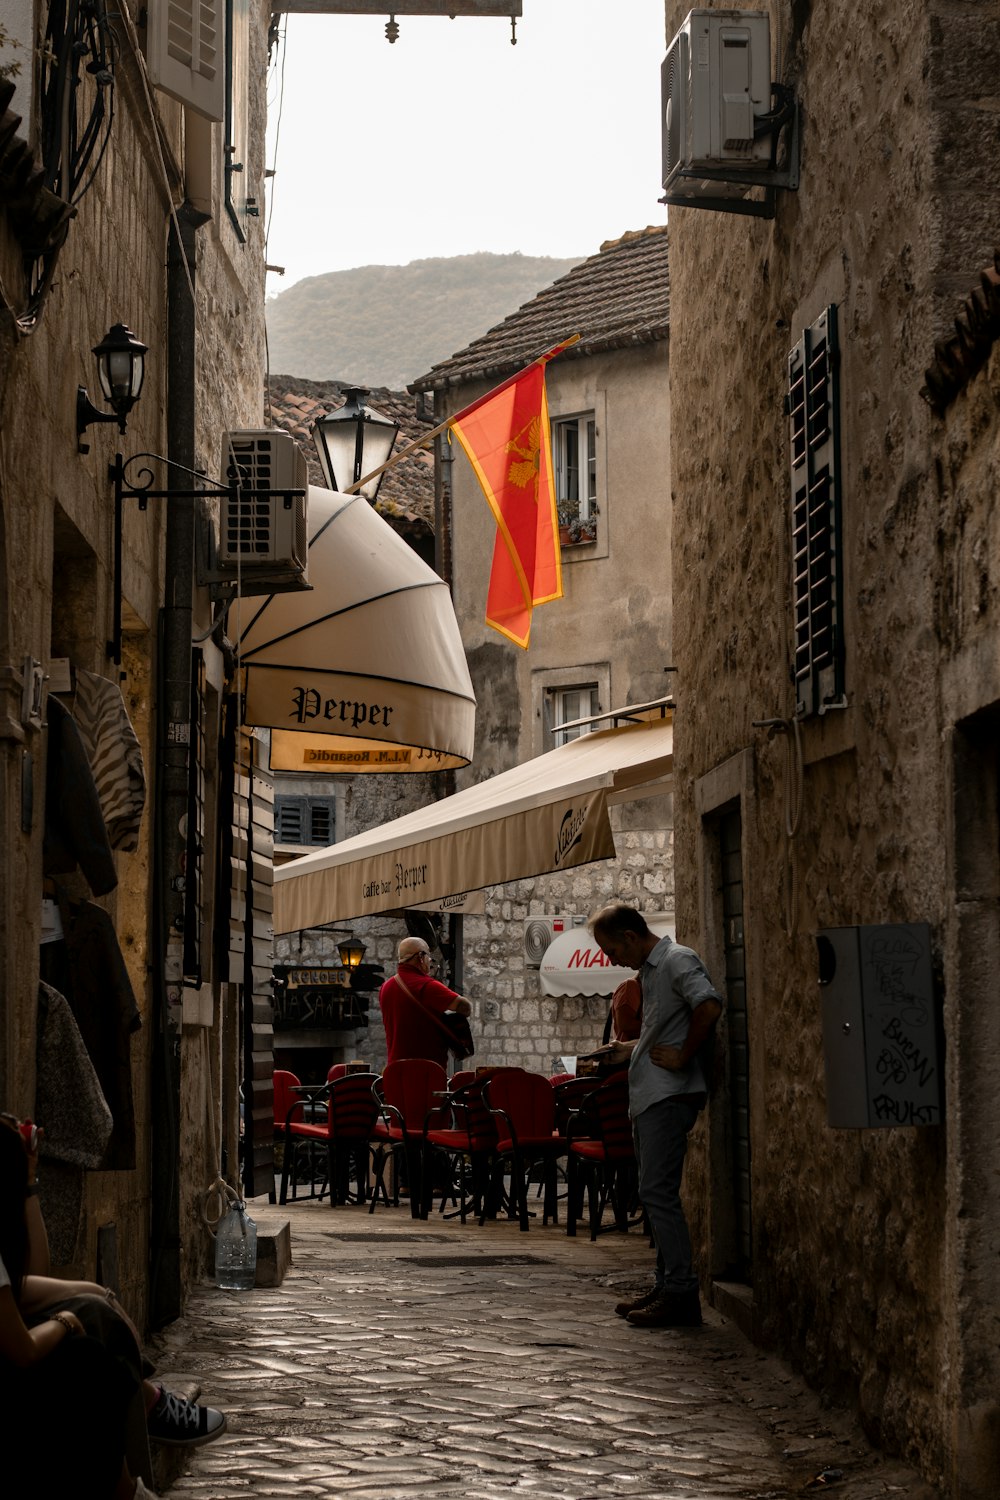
87,414
141,490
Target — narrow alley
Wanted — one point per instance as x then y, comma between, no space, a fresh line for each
402,1358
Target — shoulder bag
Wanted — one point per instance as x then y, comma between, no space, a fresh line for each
455,1027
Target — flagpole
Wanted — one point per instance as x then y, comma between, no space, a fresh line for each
429,437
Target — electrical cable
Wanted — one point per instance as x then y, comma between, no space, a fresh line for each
793,802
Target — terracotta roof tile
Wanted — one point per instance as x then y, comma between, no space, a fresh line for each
407,493
618,298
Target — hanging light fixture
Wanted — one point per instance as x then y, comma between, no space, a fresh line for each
353,442
121,367
352,951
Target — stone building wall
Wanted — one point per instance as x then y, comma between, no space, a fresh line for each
896,211
514,1023
56,564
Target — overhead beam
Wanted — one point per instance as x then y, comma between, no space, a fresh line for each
400,7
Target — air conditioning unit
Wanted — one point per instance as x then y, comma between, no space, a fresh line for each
715,83
539,932
263,527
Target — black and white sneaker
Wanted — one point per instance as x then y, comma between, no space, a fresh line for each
174,1419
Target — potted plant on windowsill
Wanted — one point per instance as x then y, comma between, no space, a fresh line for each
573,528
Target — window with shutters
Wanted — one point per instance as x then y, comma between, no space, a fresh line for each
185,52
238,179
304,820
817,557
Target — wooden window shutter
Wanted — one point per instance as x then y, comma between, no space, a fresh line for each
321,821
185,52
812,404
290,820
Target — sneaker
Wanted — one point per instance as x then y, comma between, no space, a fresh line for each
173,1419
633,1304
669,1310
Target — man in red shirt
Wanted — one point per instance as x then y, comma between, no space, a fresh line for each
409,1003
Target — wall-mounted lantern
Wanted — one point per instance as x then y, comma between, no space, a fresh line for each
121,366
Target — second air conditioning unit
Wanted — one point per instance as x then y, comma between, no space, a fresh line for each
715,85
539,932
263,523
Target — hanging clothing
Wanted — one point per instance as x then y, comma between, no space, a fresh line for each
76,1118
88,968
115,756
75,832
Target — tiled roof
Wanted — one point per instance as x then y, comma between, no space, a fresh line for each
407,493
977,329
616,299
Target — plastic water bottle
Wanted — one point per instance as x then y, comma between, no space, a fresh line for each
236,1250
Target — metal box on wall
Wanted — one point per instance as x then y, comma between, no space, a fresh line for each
881,1044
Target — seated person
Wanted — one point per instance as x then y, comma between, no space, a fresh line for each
62,1341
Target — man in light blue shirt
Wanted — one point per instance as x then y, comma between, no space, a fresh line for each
667,1088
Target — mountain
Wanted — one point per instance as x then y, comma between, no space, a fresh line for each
385,325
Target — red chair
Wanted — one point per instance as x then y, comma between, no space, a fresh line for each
347,1131
600,1148
569,1094
523,1105
410,1095
290,1125
467,1143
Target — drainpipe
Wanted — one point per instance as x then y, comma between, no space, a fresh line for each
173,750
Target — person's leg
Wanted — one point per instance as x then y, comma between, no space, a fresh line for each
662,1131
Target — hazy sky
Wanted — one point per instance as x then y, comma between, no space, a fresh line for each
451,140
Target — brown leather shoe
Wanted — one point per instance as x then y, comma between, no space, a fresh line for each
669,1310
635,1303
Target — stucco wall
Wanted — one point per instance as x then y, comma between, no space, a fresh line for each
612,626
851,1272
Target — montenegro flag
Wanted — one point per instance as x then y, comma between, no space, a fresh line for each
507,440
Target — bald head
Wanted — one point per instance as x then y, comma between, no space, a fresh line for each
412,950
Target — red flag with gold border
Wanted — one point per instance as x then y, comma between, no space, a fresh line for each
507,439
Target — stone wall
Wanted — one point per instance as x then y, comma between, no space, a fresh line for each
897,205
514,1023
56,562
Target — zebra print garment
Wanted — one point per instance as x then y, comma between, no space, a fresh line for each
115,756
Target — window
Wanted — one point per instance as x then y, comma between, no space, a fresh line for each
563,705
239,203
184,52
304,820
574,449
812,404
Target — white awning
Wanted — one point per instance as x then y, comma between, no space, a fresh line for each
365,671
549,814
574,965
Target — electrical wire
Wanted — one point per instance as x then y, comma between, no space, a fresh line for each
793,801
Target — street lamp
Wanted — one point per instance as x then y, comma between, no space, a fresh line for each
121,366
352,951
353,442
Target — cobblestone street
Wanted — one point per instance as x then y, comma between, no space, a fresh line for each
405,1359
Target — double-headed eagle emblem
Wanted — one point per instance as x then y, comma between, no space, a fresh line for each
527,448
